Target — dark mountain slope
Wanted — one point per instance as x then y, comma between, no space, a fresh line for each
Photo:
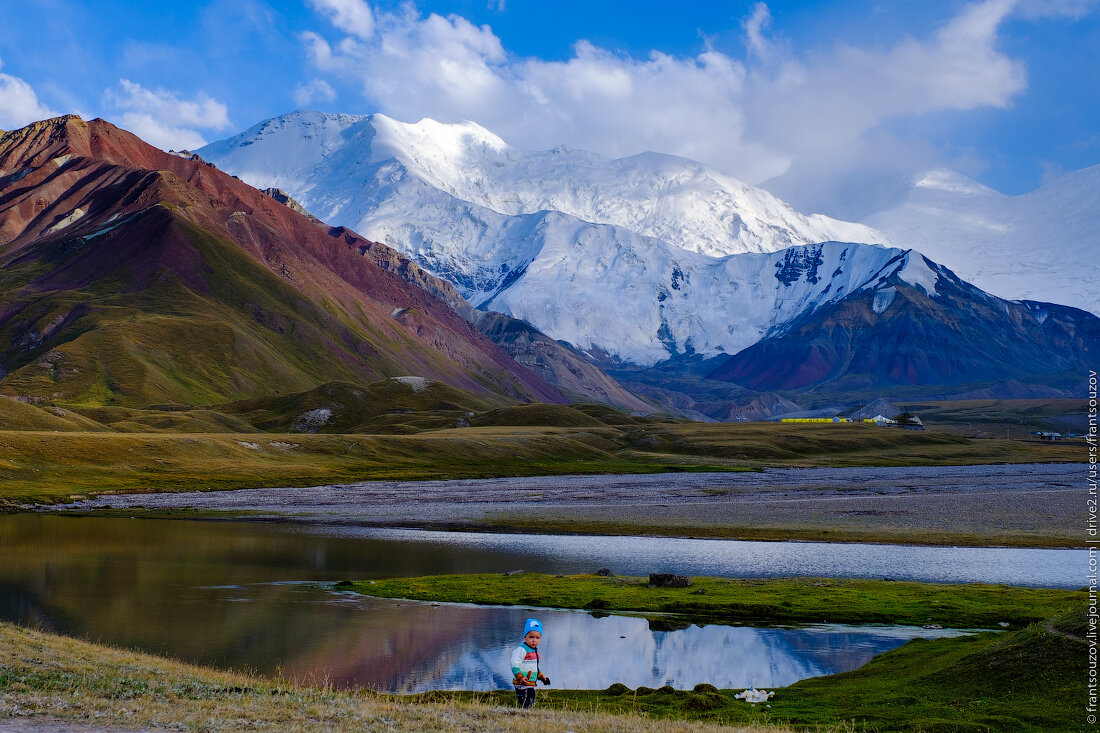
897,335
559,364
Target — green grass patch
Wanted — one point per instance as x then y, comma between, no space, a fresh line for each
733,601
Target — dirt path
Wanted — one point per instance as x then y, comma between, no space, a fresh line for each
1050,627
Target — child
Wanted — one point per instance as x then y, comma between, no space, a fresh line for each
525,664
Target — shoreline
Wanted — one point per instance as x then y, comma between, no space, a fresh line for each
50,467
733,534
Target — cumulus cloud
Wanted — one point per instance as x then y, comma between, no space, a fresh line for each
164,119
19,105
315,90
822,103
774,112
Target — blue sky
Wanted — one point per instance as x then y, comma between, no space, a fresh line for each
822,102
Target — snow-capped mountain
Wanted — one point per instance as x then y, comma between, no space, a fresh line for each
637,259
639,299
895,336
559,237
365,170
1031,246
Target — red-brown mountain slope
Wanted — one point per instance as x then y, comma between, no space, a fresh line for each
133,276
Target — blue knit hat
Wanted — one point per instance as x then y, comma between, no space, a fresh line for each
532,624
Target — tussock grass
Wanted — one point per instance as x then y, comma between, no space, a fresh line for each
61,678
362,409
562,416
842,445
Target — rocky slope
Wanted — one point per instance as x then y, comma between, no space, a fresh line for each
572,373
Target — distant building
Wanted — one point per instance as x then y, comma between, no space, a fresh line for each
816,419
874,409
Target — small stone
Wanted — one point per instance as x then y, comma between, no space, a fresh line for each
605,573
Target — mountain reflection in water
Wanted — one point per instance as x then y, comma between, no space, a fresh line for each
401,646
251,596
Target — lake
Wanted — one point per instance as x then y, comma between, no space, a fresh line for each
259,596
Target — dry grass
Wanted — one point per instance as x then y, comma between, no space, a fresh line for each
48,462
57,678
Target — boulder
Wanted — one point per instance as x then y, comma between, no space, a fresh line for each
660,580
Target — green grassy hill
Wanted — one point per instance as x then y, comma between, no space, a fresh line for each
16,415
341,407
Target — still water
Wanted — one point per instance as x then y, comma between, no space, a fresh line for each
259,596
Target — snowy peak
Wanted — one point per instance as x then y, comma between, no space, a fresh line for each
895,337
675,199
436,141
954,183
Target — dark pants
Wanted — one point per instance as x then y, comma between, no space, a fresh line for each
525,696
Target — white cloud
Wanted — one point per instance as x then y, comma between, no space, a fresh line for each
754,27
19,105
776,111
162,118
350,16
312,91
820,104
